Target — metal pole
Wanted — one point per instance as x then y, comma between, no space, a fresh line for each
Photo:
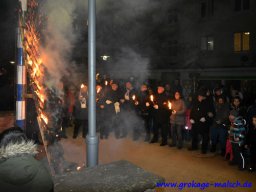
21,84
92,139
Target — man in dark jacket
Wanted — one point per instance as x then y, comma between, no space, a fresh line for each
19,170
161,115
219,129
143,105
112,112
81,112
199,119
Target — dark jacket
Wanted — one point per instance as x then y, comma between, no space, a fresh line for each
81,108
20,171
114,97
162,114
222,113
198,111
251,138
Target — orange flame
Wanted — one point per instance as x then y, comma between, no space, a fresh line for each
99,89
152,98
169,105
133,97
45,119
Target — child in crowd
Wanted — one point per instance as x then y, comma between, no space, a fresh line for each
237,139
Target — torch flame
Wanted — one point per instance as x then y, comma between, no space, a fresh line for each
133,97
169,105
106,83
78,168
99,89
152,98
82,86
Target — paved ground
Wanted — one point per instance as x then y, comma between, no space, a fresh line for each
172,164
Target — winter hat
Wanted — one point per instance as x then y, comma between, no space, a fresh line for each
234,113
202,92
12,135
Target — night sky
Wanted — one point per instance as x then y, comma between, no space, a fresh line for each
8,23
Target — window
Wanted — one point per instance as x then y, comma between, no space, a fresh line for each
207,43
203,9
242,5
242,41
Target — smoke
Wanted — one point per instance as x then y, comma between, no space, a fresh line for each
59,38
130,63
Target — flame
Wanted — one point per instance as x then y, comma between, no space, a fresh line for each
45,119
78,168
82,86
30,62
99,89
133,97
106,83
152,98
169,105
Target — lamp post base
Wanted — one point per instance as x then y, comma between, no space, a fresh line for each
92,145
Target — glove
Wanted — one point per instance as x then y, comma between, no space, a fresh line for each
210,114
192,121
202,120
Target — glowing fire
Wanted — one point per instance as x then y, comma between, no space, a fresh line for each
98,89
152,98
106,83
133,97
45,119
169,105
82,86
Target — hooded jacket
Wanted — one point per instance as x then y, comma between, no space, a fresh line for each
20,171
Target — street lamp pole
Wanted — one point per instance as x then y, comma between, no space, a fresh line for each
92,140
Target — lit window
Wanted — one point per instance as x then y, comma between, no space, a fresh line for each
207,43
242,41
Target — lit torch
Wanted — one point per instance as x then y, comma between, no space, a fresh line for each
98,90
106,83
152,98
169,105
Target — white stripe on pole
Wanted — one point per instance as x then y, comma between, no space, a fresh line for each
19,40
20,110
21,70
24,5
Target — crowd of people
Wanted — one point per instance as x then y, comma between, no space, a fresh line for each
219,122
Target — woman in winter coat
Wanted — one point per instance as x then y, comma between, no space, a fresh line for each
19,170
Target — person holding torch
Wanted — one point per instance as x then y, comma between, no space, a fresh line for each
177,120
161,115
